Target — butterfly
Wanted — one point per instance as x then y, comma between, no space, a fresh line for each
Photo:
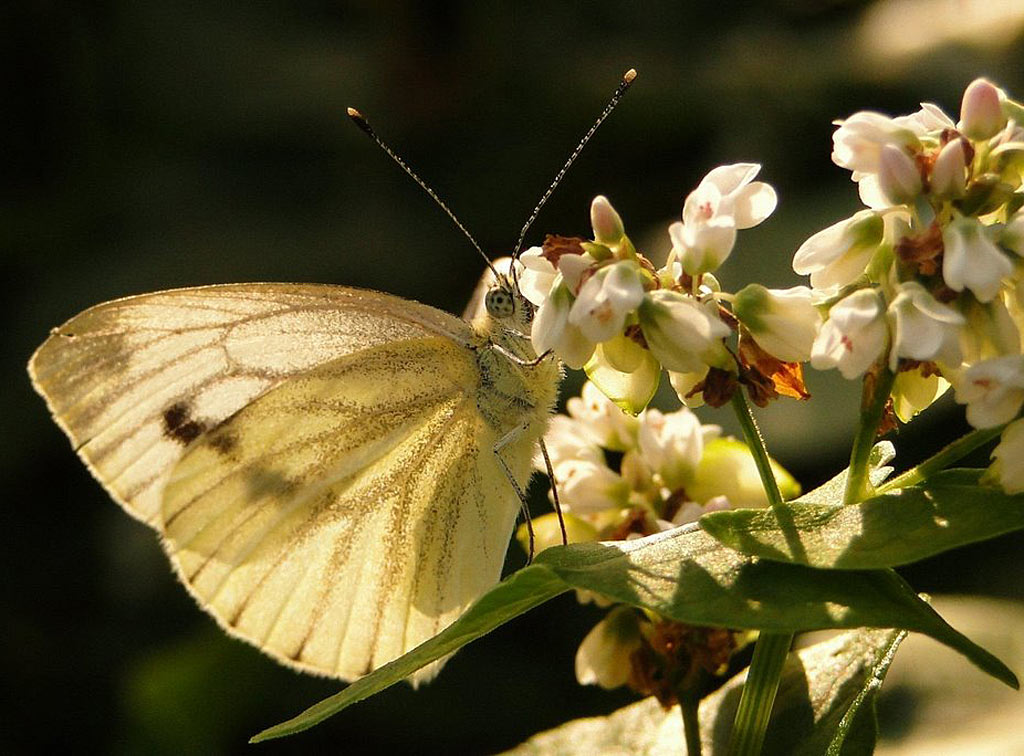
334,473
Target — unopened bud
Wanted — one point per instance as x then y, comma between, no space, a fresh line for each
607,224
898,175
981,113
949,174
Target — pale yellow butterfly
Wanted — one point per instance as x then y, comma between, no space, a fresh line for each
328,467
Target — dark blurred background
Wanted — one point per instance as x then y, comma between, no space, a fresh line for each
145,146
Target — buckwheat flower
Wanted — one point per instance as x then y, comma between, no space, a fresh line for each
586,487
601,421
604,655
923,328
898,175
981,111
783,322
730,190
683,334
726,200
993,390
672,444
854,336
605,221
1008,467
703,247
949,172
551,330
606,299
838,255
567,439
971,260
929,120
536,275
857,143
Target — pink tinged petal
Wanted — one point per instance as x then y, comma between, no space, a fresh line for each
701,204
854,336
949,173
606,223
898,176
973,261
605,300
993,391
981,112
707,245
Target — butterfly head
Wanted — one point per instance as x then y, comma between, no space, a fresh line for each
507,306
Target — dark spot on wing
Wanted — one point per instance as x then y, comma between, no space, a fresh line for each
224,442
264,482
179,425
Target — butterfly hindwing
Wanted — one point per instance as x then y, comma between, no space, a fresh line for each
348,514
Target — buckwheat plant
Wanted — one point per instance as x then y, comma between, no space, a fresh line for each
697,544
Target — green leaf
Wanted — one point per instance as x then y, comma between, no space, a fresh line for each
832,491
824,705
513,596
686,575
948,510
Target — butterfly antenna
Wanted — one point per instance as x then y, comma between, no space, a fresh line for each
363,124
620,91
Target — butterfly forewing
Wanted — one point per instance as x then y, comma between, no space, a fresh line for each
134,381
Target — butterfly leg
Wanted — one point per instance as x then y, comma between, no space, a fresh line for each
502,442
554,490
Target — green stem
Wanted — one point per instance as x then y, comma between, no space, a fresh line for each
688,705
875,395
752,435
755,707
943,459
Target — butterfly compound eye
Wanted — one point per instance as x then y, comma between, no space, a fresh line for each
500,303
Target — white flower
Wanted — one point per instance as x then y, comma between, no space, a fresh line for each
857,143
1008,467
600,420
552,330
898,175
929,120
981,111
536,275
603,657
567,439
607,224
993,390
703,247
726,200
971,260
684,335
853,337
949,173
585,487
923,329
671,444
606,299
783,322
837,255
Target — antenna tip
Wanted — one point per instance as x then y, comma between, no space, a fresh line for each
629,76
354,114
359,120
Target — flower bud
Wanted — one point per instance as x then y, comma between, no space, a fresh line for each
552,330
898,176
837,255
783,322
605,221
949,173
981,112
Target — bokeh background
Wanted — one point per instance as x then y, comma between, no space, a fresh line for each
149,145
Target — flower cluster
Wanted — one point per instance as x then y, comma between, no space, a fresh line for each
603,305
621,477
928,282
